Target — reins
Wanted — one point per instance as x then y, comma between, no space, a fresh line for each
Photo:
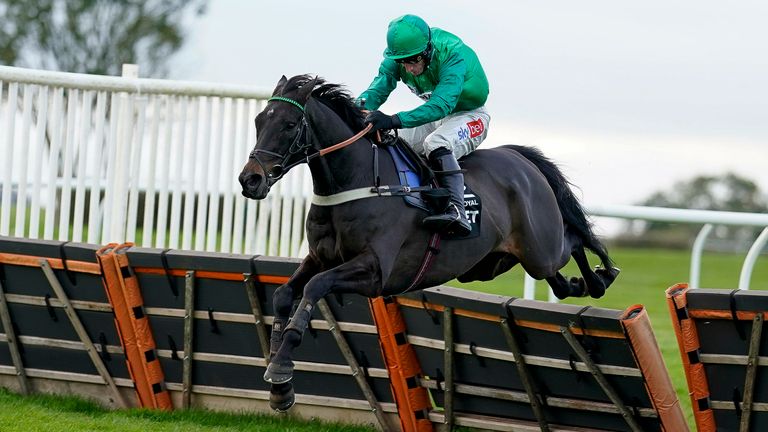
346,142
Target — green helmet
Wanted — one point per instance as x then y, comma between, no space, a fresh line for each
407,36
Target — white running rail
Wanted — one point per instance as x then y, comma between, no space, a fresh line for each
100,159
708,218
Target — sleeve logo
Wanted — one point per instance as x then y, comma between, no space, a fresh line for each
476,128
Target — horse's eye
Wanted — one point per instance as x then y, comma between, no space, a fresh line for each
290,125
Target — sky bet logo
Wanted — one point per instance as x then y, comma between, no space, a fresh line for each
471,130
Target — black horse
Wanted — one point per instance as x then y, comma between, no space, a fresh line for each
375,245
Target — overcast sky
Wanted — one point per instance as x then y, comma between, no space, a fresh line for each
626,97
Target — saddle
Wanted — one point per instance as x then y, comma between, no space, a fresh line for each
419,187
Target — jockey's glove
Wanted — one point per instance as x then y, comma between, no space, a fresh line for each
380,121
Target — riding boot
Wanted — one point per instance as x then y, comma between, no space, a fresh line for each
454,219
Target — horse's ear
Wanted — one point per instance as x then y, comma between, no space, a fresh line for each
306,89
280,85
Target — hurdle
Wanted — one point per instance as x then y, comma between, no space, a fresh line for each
218,308
720,334
58,328
496,363
431,360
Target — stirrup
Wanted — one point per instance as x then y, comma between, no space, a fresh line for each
450,222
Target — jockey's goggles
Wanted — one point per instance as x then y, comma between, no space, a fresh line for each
411,60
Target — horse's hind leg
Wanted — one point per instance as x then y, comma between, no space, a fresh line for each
492,265
563,288
597,281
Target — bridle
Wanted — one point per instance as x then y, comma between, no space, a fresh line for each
297,146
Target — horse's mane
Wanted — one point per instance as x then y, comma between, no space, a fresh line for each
340,100
335,96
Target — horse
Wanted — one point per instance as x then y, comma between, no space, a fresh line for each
374,245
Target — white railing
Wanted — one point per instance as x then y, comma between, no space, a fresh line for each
106,142
708,218
81,152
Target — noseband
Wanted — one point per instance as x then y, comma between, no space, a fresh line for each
278,170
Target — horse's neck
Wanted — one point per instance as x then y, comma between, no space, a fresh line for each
344,169
348,168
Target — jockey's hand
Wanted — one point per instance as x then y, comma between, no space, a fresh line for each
380,121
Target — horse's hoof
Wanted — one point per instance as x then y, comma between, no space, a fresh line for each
278,373
596,289
578,287
608,275
281,397
596,292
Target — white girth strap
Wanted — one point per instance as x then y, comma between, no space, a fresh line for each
347,196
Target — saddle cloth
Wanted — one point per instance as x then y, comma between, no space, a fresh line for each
412,174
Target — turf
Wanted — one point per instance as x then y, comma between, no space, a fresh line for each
47,413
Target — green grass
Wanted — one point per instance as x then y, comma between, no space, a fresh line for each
46,413
645,275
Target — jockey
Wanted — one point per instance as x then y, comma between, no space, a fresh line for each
451,123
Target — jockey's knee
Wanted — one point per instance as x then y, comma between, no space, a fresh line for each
435,142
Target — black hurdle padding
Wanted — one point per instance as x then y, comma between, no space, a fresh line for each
34,323
32,281
538,336
721,343
218,296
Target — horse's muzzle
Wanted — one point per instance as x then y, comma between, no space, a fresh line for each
254,185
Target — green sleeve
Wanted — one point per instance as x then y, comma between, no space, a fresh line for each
382,85
444,97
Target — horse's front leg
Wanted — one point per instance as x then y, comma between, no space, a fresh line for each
283,299
360,275
281,395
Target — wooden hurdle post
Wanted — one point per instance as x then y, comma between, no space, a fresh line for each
525,377
600,378
448,363
189,307
261,330
13,346
81,332
751,375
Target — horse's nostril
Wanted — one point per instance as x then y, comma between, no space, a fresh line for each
250,181
254,180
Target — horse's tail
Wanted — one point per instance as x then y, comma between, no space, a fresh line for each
570,207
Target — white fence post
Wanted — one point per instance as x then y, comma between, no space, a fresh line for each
696,253
749,261
117,191
10,127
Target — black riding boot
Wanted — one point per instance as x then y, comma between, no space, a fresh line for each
454,220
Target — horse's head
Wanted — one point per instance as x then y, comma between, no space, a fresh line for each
282,136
